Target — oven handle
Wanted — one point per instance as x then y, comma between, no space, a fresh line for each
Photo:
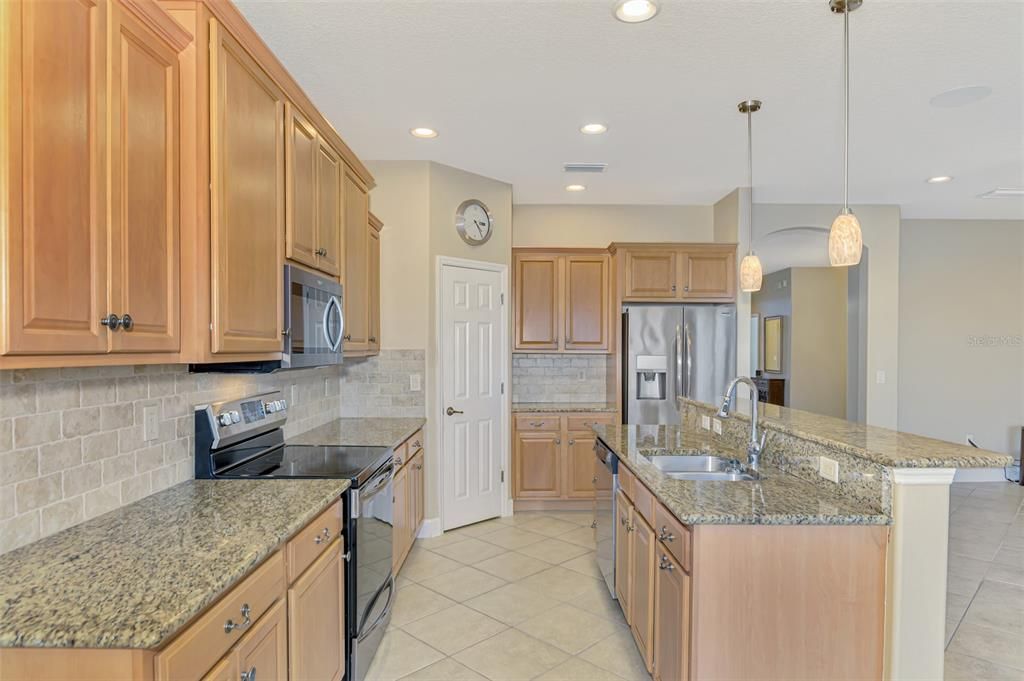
383,613
384,476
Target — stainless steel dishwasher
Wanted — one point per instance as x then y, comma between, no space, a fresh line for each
606,484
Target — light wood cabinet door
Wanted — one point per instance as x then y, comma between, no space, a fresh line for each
537,302
144,212
357,294
651,274
373,286
400,518
328,213
709,274
316,620
623,545
301,165
671,620
587,306
263,652
225,670
580,461
247,200
53,87
538,469
417,507
641,598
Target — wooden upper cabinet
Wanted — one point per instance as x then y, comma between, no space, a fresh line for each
373,283
704,272
537,284
356,293
316,620
651,274
709,274
247,199
587,303
329,220
301,164
55,199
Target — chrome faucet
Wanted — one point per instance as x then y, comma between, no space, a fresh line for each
756,445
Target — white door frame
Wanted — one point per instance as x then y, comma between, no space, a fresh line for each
438,391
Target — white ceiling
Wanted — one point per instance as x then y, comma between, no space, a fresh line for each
508,83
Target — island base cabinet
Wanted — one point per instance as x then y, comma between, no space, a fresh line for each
641,600
263,652
671,655
316,620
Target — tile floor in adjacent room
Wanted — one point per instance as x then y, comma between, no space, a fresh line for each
515,598
985,588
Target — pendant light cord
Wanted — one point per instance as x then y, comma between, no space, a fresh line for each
750,178
846,111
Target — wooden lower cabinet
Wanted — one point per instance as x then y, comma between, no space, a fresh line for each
553,455
623,564
641,585
400,519
407,511
263,652
671,644
316,620
579,463
538,473
226,670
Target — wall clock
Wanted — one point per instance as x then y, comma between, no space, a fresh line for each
473,222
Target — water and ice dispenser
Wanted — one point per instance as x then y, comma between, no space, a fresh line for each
651,372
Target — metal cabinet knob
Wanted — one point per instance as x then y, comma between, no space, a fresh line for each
451,412
572,442
666,564
231,625
373,339
111,321
127,322
249,675
673,288
665,535
347,337
322,537
417,444
558,441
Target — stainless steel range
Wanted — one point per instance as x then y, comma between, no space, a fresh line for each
243,439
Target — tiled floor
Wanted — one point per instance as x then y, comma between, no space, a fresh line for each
985,592
509,599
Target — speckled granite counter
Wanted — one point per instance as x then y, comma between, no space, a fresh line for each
879,445
562,407
366,432
133,577
776,499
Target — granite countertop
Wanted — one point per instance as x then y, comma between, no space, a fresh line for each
563,407
776,499
880,445
361,432
132,578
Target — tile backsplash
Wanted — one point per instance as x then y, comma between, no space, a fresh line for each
73,443
562,378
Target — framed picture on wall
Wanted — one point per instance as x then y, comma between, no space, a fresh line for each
773,345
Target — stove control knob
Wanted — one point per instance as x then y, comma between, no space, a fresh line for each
270,407
235,417
224,419
284,404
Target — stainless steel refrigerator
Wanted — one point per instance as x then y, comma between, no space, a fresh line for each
671,351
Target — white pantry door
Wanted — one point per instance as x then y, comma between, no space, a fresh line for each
471,368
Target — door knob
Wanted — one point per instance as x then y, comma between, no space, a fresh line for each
452,412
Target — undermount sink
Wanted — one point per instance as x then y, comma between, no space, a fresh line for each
682,467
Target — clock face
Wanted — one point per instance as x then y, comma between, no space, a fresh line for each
473,222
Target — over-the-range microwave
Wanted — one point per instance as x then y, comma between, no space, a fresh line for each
314,326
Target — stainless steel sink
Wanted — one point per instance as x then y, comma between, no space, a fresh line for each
684,467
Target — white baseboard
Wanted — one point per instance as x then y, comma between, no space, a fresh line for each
507,507
981,474
431,527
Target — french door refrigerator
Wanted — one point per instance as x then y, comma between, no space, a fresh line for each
672,351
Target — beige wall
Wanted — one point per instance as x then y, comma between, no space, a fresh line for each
596,226
731,224
818,340
774,300
961,281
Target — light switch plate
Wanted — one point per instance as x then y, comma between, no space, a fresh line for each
828,469
151,423
880,377
705,422
716,426
415,383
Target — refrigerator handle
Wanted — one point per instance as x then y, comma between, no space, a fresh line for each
679,361
624,360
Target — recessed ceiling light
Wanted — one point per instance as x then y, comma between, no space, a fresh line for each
939,179
594,128
575,187
423,133
635,11
961,96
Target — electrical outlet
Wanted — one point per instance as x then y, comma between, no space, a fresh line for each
415,383
151,423
705,422
716,425
828,468
968,438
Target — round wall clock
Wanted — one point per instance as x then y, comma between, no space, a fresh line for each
474,222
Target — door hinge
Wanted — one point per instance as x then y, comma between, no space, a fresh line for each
501,297
503,476
503,387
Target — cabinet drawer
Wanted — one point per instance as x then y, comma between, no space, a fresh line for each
313,540
643,501
199,647
401,455
673,535
585,421
414,444
527,422
626,481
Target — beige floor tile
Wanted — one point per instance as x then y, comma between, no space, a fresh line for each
416,602
571,629
961,489
422,564
585,565
470,551
951,625
511,656
581,518
1005,573
577,669
963,586
446,539
1010,557
445,670
978,549
998,605
956,606
961,667
582,536
554,551
454,629
962,566
511,604
600,602
994,645
481,528
513,538
400,654
512,566
1013,541
463,584
548,526
618,654
559,583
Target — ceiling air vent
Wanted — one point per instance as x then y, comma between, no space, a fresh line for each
585,167
1003,193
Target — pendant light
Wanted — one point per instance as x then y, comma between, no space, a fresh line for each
750,266
845,241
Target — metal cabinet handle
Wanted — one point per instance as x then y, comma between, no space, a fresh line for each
666,564
111,321
593,480
451,412
127,322
417,444
249,675
322,537
665,535
630,528
399,461
536,424
419,466
231,625
347,337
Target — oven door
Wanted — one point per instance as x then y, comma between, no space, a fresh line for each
314,320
